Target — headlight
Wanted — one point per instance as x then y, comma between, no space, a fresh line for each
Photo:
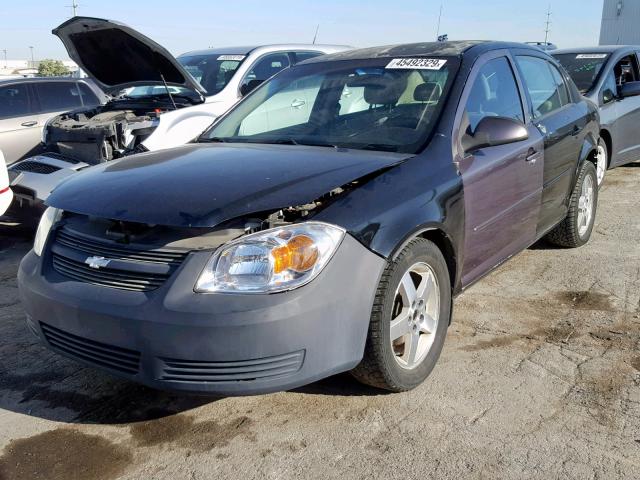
271,261
49,217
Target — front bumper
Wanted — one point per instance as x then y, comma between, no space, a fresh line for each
228,344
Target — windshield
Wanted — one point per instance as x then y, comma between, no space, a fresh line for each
213,71
153,90
583,68
374,104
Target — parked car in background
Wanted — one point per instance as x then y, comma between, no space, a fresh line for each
610,77
261,261
26,104
157,101
546,46
6,195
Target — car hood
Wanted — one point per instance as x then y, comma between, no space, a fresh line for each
203,185
116,56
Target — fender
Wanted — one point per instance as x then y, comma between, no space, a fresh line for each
589,147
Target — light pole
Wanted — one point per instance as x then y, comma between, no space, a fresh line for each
33,62
6,64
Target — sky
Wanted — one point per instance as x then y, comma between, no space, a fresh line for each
183,25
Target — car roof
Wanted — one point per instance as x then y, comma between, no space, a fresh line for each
39,79
437,49
597,49
274,47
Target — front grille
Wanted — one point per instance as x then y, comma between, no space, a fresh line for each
34,167
130,268
101,354
73,240
107,277
243,371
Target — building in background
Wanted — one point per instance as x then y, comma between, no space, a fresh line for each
620,22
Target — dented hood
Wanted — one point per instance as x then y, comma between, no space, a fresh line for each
116,56
202,185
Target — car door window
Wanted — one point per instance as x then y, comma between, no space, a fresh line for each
302,56
548,93
494,94
14,101
626,70
267,67
58,96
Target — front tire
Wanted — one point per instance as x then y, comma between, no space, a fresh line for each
575,230
409,319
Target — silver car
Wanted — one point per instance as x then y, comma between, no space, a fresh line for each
610,77
27,103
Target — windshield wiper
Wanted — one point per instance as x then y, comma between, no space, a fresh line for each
212,140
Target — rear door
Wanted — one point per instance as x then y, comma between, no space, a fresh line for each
560,121
502,184
20,128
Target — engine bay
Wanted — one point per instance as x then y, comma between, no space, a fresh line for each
106,132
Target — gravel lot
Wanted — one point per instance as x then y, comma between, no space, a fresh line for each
540,378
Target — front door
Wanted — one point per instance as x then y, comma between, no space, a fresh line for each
502,184
627,144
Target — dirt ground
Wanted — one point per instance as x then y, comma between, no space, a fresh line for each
539,379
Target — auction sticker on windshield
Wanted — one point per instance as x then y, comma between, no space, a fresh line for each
590,56
417,63
236,58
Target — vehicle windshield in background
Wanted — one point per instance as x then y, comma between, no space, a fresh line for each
376,104
213,71
153,90
583,68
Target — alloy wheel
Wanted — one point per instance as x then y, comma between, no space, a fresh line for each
585,205
415,315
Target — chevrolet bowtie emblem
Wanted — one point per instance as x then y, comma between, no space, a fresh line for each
97,262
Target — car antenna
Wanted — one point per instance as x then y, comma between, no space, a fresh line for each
166,87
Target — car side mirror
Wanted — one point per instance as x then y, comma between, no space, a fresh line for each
494,131
608,96
250,86
629,89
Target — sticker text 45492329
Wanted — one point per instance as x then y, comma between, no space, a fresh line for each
417,63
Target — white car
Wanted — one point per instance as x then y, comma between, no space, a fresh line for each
156,101
6,195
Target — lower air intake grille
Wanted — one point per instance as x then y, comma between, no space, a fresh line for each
243,371
100,354
34,167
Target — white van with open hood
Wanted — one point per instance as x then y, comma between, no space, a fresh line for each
156,101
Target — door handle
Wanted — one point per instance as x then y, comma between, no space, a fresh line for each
30,123
575,130
532,156
298,103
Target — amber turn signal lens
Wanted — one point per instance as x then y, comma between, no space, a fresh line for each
299,254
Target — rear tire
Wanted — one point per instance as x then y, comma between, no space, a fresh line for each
575,230
413,297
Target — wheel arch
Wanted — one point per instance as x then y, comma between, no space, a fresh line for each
605,135
437,235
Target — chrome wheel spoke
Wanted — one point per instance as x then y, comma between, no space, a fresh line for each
411,348
400,325
408,290
428,324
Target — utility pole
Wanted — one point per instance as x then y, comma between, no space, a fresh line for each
6,64
33,62
547,26
315,36
439,20
74,7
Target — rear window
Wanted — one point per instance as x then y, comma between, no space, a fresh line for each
213,71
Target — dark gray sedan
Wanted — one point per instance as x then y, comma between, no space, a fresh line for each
610,77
